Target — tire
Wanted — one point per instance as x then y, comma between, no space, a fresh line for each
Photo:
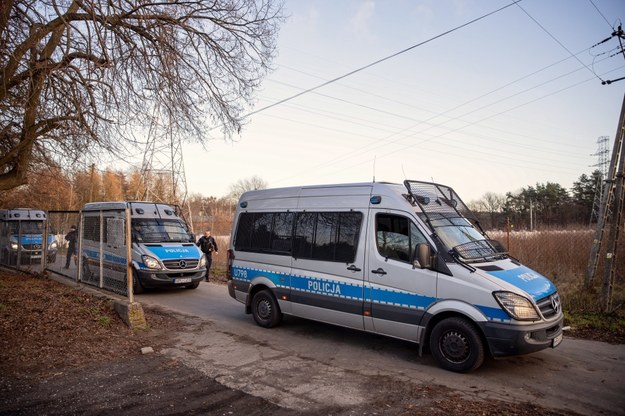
9,259
86,271
265,309
137,287
193,285
457,345
52,259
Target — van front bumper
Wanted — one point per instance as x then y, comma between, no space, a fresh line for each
163,278
506,339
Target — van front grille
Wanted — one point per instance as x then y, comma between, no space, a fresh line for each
549,306
181,264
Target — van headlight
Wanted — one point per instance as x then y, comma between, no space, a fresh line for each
52,246
150,262
202,261
13,246
517,306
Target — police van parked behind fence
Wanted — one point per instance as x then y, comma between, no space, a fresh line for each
164,253
398,260
22,233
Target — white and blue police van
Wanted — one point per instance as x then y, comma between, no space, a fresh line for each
403,260
22,233
164,253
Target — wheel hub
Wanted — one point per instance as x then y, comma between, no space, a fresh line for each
455,347
264,309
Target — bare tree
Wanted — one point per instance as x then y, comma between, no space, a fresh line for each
243,185
82,76
488,207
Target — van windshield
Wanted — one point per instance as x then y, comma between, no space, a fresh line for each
461,238
28,227
455,231
155,230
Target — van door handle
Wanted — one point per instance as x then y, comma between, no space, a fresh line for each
353,268
379,271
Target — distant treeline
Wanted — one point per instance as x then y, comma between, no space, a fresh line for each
544,205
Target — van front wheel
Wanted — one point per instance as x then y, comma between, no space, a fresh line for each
265,309
137,287
456,345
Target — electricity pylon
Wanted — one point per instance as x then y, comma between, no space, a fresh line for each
602,165
163,164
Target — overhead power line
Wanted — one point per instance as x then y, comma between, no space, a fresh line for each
558,42
382,59
599,11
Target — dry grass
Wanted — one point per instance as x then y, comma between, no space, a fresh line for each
563,256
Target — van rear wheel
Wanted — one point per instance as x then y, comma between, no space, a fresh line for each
457,345
265,309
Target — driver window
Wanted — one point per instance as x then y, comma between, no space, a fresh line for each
397,236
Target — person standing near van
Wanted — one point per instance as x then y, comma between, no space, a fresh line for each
208,245
72,238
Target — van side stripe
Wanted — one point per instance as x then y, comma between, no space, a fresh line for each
400,298
349,297
95,255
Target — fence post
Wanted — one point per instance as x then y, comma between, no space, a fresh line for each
508,233
44,244
131,297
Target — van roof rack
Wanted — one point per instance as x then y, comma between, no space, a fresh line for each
436,200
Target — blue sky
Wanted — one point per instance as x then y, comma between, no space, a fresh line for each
494,106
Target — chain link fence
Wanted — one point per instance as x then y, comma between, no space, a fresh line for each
100,257
34,243
563,256
59,226
104,250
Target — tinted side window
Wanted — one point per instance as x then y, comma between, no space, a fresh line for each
261,231
325,237
304,235
329,236
264,232
281,237
349,232
397,236
243,239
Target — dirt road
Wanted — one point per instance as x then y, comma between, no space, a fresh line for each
307,365
66,352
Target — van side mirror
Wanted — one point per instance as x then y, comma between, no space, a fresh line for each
422,257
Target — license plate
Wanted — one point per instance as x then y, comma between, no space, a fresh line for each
556,341
183,280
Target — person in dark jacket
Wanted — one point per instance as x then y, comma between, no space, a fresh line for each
72,239
208,245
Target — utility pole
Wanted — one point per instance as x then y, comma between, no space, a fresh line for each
610,219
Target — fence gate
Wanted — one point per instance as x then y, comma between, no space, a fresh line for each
104,250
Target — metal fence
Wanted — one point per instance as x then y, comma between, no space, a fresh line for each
103,255
102,252
59,226
563,256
